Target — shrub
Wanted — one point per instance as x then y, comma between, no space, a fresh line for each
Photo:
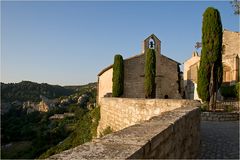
118,76
204,107
150,73
229,91
237,90
228,108
106,131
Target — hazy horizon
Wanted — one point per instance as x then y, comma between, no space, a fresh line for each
49,83
69,43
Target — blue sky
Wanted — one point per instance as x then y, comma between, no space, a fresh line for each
69,43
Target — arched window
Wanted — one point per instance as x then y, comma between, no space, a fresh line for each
151,44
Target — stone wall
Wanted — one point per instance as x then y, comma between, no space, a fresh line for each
172,135
234,105
219,116
231,49
157,44
105,83
119,113
231,43
134,77
166,78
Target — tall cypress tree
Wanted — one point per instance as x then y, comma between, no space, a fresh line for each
210,69
150,73
118,76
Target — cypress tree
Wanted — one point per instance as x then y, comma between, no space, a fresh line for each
118,76
150,73
210,69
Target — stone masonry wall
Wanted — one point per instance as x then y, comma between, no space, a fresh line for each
231,43
119,113
166,77
172,135
134,77
105,83
220,116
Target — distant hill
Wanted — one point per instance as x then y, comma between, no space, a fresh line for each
31,91
80,87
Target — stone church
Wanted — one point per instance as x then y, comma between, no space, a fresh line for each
230,60
168,80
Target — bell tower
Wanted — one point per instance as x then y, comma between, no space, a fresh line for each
152,42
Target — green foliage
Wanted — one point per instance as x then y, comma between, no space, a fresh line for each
52,136
150,73
106,131
203,80
211,54
237,90
118,76
228,108
204,107
17,150
95,116
230,91
85,130
31,91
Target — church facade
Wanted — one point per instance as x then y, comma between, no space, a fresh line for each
230,60
168,80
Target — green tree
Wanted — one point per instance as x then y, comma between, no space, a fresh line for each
210,69
150,73
118,76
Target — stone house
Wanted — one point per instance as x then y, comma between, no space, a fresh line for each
230,60
167,80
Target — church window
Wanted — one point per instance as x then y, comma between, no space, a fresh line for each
151,44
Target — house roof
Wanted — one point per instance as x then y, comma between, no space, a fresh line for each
170,59
105,69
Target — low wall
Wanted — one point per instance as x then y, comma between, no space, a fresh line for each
219,116
174,134
119,113
224,104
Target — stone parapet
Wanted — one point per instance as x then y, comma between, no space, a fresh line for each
119,113
174,134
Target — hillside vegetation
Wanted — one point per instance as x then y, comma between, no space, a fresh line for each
31,91
35,135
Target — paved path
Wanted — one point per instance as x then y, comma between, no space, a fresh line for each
219,140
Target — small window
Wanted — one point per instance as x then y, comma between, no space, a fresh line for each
166,97
151,44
